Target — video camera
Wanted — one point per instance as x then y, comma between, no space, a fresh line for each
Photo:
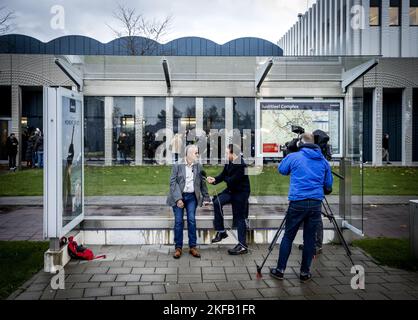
321,139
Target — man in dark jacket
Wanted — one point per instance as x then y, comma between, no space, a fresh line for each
237,194
11,146
310,174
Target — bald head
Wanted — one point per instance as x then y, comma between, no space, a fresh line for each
307,138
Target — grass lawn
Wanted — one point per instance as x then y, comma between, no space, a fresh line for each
153,180
390,252
19,261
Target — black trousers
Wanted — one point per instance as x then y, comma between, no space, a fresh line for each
218,203
12,160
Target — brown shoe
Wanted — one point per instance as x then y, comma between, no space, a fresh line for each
177,254
193,251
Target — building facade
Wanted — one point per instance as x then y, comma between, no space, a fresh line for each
387,28
209,87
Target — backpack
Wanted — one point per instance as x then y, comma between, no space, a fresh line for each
78,251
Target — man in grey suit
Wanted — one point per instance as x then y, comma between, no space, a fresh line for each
187,190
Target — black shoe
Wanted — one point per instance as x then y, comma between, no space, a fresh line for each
219,237
305,278
276,274
238,249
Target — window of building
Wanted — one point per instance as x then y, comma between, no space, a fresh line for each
184,114
94,128
213,118
395,13
154,119
244,121
413,13
374,13
6,101
123,128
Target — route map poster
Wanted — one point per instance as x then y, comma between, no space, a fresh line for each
277,117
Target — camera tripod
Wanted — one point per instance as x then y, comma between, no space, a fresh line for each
327,213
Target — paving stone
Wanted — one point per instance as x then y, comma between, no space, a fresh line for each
253,284
202,287
103,278
152,289
153,277
166,296
143,270
111,264
97,292
236,270
83,285
95,270
122,291
320,297
190,278
401,295
193,296
69,294
78,278
139,297
112,284
48,294
119,270
111,298
134,264
224,286
298,291
273,292
238,276
372,296
396,287
31,295
128,277
221,295
213,270
346,296
247,294
173,288
171,270
220,276
189,270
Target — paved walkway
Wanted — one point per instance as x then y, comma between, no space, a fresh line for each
150,272
160,200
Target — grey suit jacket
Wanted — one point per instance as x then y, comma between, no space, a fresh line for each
178,181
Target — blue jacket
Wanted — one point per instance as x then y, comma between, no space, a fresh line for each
309,173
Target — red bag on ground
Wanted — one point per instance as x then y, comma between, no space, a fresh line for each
78,251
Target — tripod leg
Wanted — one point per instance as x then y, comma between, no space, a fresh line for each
272,244
328,213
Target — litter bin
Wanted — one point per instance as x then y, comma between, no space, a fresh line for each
413,227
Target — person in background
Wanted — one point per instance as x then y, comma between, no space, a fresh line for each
11,146
39,147
385,148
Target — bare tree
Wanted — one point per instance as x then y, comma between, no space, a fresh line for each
133,24
6,18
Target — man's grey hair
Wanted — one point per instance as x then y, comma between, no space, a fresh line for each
307,138
188,148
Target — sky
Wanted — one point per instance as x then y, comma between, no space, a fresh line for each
217,20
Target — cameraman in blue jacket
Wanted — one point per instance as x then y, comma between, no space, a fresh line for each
310,174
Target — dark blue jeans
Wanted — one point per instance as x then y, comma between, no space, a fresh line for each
218,222
190,204
307,212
